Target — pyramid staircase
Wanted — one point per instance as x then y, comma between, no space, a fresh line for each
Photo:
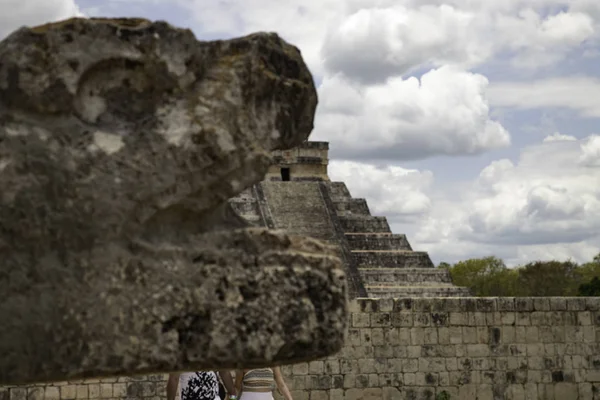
386,262
298,196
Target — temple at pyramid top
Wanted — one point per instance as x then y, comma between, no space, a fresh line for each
298,196
307,162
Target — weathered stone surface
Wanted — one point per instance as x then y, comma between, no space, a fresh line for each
164,126
229,299
120,143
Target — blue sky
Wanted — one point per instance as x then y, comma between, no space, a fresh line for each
471,125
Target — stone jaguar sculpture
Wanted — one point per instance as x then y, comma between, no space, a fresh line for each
121,141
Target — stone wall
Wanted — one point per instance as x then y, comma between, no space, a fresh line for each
461,348
150,387
306,162
426,348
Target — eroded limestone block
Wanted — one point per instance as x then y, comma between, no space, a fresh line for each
229,299
120,143
146,115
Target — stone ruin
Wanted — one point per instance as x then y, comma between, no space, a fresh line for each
121,141
298,196
142,173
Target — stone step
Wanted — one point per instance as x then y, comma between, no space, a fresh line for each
377,241
391,259
299,208
364,224
351,206
338,190
375,291
427,285
405,276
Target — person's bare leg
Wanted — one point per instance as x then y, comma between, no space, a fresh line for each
172,385
228,382
283,389
239,378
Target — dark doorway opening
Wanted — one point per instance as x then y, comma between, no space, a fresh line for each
285,174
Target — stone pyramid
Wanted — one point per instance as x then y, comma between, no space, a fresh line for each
298,196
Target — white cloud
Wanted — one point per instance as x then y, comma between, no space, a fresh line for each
374,44
566,28
564,92
590,152
392,191
557,136
540,41
17,13
378,41
589,7
546,199
445,112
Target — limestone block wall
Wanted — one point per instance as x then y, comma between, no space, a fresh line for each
461,348
149,387
424,349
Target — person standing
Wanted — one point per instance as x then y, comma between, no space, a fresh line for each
222,391
200,385
259,383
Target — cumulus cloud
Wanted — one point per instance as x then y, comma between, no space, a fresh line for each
380,41
539,41
17,13
557,136
547,198
374,44
590,152
445,112
563,92
392,191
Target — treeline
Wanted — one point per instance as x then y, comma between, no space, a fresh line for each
491,277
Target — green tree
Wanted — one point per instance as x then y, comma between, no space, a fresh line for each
549,278
591,288
589,274
590,269
505,283
487,276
